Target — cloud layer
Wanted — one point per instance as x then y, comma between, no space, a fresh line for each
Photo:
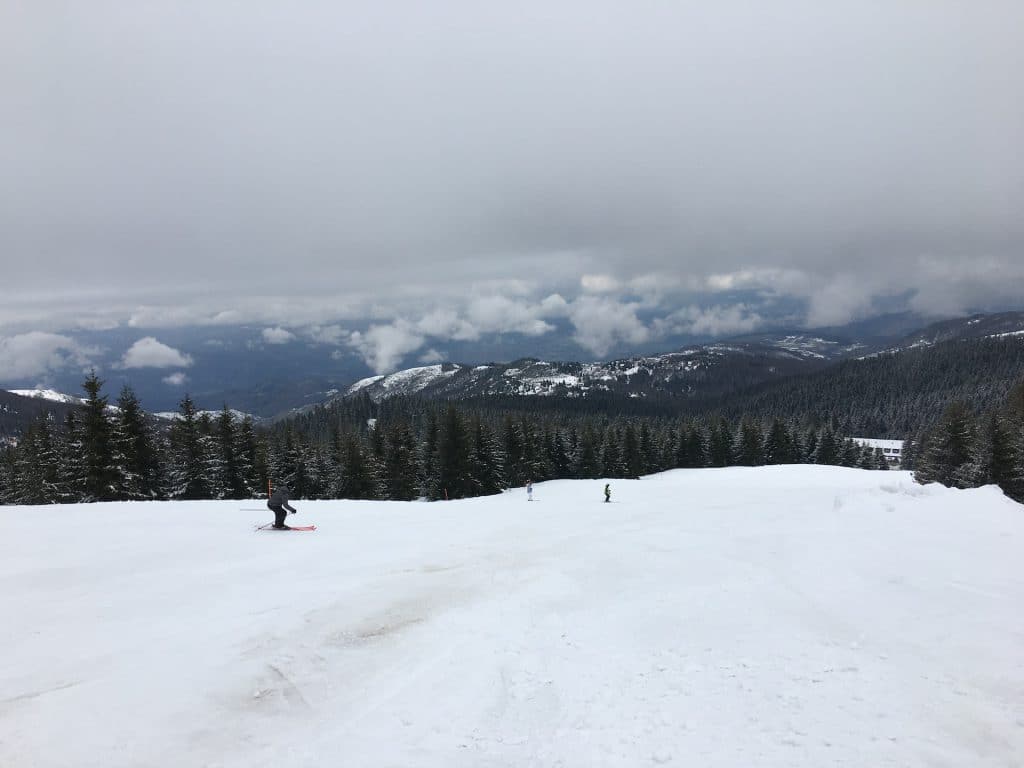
499,168
36,354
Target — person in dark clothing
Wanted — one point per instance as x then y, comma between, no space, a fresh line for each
607,492
278,502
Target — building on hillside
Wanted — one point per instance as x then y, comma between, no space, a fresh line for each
891,449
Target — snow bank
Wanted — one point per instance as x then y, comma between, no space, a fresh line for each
790,616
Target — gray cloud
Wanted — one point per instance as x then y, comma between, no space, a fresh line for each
712,321
442,170
600,322
36,353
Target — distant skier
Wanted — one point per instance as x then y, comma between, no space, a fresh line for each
278,502
607,492
529,490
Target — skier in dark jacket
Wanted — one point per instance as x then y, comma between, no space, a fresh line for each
278,502
607,492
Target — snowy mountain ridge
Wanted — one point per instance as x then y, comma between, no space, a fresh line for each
685,371
48,394
702,369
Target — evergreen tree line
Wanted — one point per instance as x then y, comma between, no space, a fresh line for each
357,449
100,453
967,448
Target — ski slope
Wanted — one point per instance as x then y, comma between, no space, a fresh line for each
778,616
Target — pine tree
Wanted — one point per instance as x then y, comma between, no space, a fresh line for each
533,466
321,473
556,455
588,460
750,445
233,484
138,474
947,449
36,465
649,454
355,478
909,452
71,473
428,455
187,476
487,469
214,471
453,474
632,459
376,440
828,450
696,447
681,457
399,475
612,464
249,463
850,453
1011,472
294,466
809,455
100,483
993,456
8,484
720,452
778,446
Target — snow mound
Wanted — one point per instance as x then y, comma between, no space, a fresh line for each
782,616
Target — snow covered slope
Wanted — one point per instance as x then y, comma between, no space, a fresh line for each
705,368
236,415
48,394
991,326
784,616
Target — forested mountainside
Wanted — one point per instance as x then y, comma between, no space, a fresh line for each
17,412
409,447
892,394
775,368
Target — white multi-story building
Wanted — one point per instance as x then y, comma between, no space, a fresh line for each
891,449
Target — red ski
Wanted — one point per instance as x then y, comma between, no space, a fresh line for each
270,527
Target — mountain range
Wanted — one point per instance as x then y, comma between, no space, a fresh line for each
698,372
701,370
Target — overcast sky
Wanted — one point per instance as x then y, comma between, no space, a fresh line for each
453,168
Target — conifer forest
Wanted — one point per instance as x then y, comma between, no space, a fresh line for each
410,448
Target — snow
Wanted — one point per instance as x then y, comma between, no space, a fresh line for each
807,346
409,380
48,394
236,415
775,616
363,384
56,397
